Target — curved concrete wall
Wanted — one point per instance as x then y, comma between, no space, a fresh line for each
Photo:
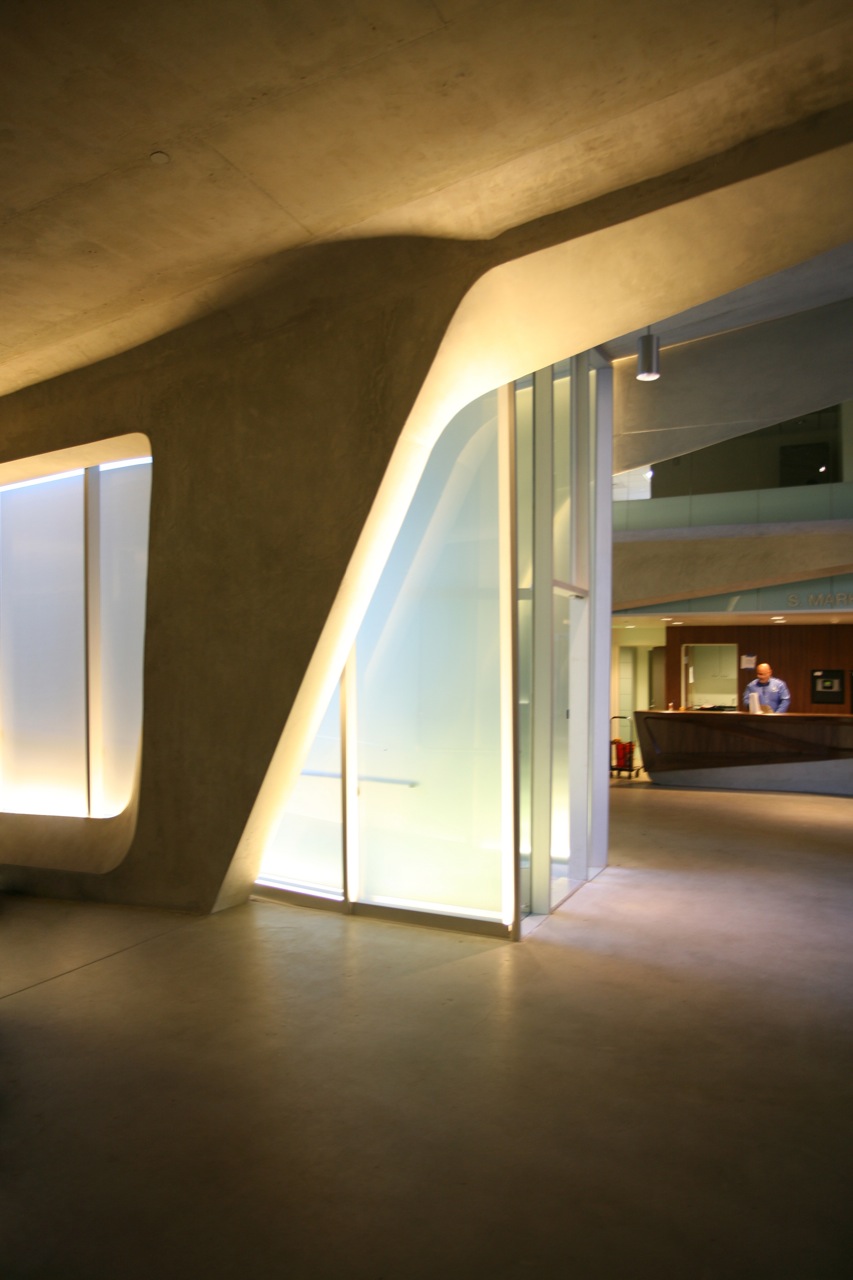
272,426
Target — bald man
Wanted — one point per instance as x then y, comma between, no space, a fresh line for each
772,694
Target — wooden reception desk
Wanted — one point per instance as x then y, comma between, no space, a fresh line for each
735,750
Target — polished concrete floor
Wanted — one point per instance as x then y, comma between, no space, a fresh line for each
657,1083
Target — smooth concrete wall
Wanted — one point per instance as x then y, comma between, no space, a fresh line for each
273,422
271,425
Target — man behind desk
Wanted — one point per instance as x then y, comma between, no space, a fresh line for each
771,693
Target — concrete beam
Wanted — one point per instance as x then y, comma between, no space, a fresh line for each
663,570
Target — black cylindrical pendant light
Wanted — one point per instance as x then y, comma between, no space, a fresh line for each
648,357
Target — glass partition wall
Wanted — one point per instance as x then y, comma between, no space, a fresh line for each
454,776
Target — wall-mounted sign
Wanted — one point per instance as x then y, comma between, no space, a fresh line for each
820,600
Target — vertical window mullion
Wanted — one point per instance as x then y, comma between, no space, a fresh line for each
541,693
92,642
349,781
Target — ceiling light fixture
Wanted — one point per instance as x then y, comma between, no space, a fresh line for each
648,357
159,157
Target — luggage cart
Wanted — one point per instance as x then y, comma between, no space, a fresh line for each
622,753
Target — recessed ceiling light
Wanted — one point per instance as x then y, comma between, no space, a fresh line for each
678,624
777,619
666,619
159,157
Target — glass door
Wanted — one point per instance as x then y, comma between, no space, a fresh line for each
562,426
524,467
543,547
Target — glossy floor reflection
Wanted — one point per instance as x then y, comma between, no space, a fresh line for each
657,1083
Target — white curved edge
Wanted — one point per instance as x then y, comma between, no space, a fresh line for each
50,842
532,312
134,444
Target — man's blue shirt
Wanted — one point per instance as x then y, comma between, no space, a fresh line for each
773,694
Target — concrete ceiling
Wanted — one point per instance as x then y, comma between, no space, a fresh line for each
155,158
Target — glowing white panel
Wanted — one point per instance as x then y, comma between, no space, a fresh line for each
524,484
306,850
43,757
562,493
120,495
429,690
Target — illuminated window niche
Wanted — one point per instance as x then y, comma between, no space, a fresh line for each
446,781
73,571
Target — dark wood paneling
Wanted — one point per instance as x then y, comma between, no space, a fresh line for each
792,651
